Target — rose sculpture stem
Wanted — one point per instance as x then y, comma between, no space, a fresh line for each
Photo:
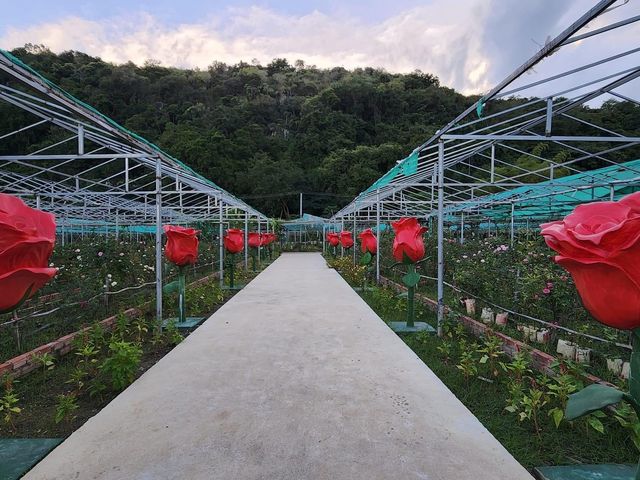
411,291
182,315
231,269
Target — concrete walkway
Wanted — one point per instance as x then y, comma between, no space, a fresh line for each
294,378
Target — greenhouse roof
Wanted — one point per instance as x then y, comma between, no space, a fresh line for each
535,127
90,168
556,198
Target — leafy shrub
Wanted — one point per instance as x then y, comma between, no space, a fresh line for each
122,363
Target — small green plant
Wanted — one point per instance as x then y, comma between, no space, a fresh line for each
531,405
560,388
172,334
77,379
122,363
122,326
467,365
518,368
628,419
445,349
44,360
491,351
141,328
9,407
67,404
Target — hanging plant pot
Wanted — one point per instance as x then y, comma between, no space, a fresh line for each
502,318
614,365
487,315
470,305
566,349
583,355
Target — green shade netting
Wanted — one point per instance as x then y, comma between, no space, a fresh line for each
557,198
407,166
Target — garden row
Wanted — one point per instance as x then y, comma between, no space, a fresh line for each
505,389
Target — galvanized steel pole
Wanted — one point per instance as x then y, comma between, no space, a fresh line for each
378,235
440,236
159,242
246,240
220,244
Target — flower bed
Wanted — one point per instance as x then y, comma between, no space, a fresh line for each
63,392
520,407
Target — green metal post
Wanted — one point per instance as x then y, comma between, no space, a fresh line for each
410,302
182,316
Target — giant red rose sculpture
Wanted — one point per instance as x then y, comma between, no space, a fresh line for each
233,243
599,244
255,240
181,249
346,240
27,237
334,240
182,245
234,240
369,247
408,246
368,242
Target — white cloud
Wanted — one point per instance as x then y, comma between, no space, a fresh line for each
465,43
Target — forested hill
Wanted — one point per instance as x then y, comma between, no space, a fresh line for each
260,131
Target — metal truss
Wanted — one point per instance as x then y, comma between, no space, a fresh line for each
468,168
91,172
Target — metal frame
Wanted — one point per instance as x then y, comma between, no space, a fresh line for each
91,172
466,162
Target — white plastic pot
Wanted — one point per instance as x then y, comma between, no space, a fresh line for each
502,318
614,365
626,370
566,349
487,315
583,355
543,336
470,305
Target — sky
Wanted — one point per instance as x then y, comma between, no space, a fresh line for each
469,44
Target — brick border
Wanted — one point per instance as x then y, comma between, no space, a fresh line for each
24,363
540,360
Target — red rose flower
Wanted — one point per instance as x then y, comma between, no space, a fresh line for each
346,240
599,244
255,240
27,237
182,245
368,241
333,239
408,243
234,240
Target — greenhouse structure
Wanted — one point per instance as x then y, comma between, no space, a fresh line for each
464,173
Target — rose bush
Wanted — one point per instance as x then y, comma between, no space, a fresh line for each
27,237
182,245
599,244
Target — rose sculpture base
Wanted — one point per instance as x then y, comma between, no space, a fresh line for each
587,472
189,322
401,327
18,455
